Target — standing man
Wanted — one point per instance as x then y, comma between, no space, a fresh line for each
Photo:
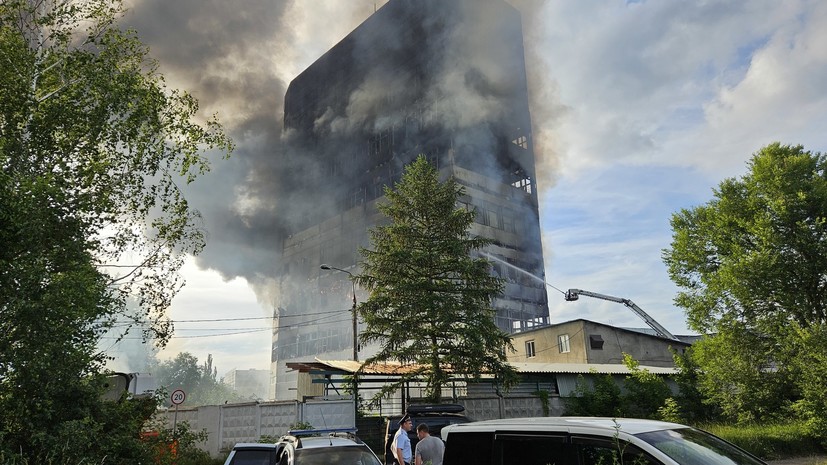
429,449
401,446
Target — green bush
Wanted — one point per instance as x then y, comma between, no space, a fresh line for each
644,392
600,398
770,442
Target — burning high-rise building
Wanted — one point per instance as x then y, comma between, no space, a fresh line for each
441,78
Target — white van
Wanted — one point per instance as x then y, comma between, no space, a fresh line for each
586,441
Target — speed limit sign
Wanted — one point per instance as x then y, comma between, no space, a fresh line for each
177,397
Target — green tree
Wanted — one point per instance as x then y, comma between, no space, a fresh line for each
751,264
691,404
93,147
199,382
741,377
430,298
645,392
181,372
812,366
643,395
600,398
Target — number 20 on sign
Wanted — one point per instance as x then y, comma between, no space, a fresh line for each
177,397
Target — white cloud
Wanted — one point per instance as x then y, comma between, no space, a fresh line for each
783,95
637,77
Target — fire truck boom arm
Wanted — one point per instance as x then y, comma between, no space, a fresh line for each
574,294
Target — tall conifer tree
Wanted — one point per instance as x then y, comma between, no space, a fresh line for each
430,296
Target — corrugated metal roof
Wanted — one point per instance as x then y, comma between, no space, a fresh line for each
585,368
387,368
351,366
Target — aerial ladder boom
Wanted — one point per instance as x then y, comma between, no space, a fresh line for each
574,294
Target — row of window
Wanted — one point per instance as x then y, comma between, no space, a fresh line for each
527,448
563,345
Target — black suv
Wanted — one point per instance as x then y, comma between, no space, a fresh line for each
436,416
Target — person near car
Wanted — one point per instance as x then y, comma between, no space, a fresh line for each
402,443
429,449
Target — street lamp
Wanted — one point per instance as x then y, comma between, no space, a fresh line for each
353,310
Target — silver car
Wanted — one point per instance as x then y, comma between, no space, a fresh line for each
586,441
328,451
306,447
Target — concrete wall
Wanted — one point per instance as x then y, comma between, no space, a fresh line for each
229,424
491,408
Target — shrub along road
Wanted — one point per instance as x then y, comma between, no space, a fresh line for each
811,460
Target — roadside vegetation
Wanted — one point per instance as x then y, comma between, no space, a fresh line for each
751,266
93,225
639,394
770,441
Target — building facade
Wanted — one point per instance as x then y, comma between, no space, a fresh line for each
442,79
587,343
249,384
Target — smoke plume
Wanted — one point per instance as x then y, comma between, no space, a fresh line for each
237,59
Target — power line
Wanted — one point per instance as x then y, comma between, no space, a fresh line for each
194,336
261,318
234,332
209,320
222,334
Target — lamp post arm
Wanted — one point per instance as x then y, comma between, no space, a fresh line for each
353,310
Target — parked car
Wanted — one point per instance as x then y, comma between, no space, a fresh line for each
324,447
252,453
307,447
436,416
586,441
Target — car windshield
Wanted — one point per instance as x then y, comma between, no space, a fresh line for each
688,446
336,455
251,457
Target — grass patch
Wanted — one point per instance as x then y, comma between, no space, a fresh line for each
772,441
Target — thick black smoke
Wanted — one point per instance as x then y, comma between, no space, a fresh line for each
235,58
230,56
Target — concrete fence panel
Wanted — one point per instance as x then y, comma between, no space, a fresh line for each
227,425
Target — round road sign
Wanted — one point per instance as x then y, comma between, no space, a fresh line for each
177,397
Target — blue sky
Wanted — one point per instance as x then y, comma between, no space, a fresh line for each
662,100
639,109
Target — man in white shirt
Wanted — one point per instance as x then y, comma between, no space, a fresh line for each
401,446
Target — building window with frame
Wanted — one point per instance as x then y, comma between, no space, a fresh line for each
563,343
529,349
